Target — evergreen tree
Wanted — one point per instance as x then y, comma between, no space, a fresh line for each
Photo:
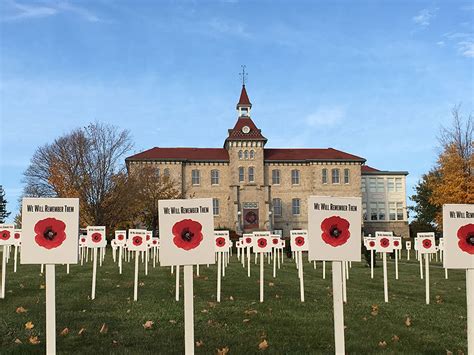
3,206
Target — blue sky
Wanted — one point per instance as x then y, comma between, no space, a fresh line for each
372,78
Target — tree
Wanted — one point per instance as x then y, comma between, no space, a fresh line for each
85,163
3,206
425,211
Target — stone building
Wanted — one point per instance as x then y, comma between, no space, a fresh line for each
256,188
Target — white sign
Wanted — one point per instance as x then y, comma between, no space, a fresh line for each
6,234
384,242
426,242
247,240
262,242
186,232
334,228
408,245
137,240
222,240
299,240
96,237
370,243
458,230
120,237
397,243
50,227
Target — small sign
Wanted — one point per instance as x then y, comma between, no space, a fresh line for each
6,234
334,228
186,232
384,242
120,237
426,243
458,230
408,245
370,243
137,240
222,240
397,243
247,240
299,240
262,242
96,237
17,237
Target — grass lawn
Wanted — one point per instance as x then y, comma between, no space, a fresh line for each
239,322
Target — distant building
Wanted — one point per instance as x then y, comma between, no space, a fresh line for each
256,188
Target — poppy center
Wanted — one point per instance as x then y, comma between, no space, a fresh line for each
49,233
4,235
187,235
335,232
470,239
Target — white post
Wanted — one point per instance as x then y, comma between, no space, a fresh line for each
346,264
446,273
385,279
50,310
338,307
120,259
172,269
188,311
15,258
408,255
470,310
146,261
324,269
300,270
274,254
344,289
94,273
42,268
223,256
396,264
261,277
67,269
314,264
219,272
277,255
177,283
4,271
135,284
197,269
427,278
100,256
420,258
248,261
371,263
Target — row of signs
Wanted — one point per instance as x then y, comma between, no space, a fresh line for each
50,227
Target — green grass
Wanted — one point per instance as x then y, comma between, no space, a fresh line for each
288,325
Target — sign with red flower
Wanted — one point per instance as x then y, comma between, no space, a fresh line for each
17,237
7,232
397,243
425,243
408,245
458,236
299,240
96,237
247,239
50,227
222,240
384,242
370,243
262,242
120,237
137,240
186,232
334,228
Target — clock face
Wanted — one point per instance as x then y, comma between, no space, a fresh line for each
246,129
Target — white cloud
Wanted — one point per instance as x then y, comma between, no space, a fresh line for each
440,43
466,48
425,16
326,116
228,27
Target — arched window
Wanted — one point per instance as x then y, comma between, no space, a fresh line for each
166,172
241,174
241,154
325,176
335,176
246,154
251,174
252,154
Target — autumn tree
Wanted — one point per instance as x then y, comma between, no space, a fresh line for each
424,211
3,206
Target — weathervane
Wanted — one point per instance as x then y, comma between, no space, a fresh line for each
243,74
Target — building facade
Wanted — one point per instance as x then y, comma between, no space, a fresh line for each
256,188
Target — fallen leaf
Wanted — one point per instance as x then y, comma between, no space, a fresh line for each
271,284
222,351
141,284
383,344
21,310
211,304
104,329
172,321
204,311
449,352
277,296
375,310
34,340
148,324
250,312
128,310
117,286
246,320
29,325
395,338
64,332
439,299
42,287
408,321
82,331
231,298
364,319
22,286
206,278
263,345
199,343
18,341
115,342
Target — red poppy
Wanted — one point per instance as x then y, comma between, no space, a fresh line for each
384,242
220,242
120,237
248,240
396,243
96,237
187,234
50,233
372,244
335,231
275,241
154,242
16,235
262,242
148,237
466,238
137,240
83,240
5,234
426,243
299,241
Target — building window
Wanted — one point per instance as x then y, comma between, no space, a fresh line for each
373,211
295,177
381,208
372,184
246,155
277,210
392,211
241,174
252,154
400,211
380,185
398,184
364,211
215,206
335,176
166,172
276,177
390,184
346,176
362,184
241,155
295,206
251,174
196,177
325,176
214,177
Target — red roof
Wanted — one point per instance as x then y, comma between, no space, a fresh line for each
244,99
237,134
301,154
368,169
194,154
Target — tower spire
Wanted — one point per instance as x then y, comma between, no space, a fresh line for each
244,105
243,74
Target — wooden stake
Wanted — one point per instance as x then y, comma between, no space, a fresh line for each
50,310
261,277
177,283
338,307
188,310
4,271
94,273
300,270
372,264
427,278
135,283
396,264
219,266
385,278
470,310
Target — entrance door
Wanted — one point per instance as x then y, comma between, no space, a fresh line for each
250,215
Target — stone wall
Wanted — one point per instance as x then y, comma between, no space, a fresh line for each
399,228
